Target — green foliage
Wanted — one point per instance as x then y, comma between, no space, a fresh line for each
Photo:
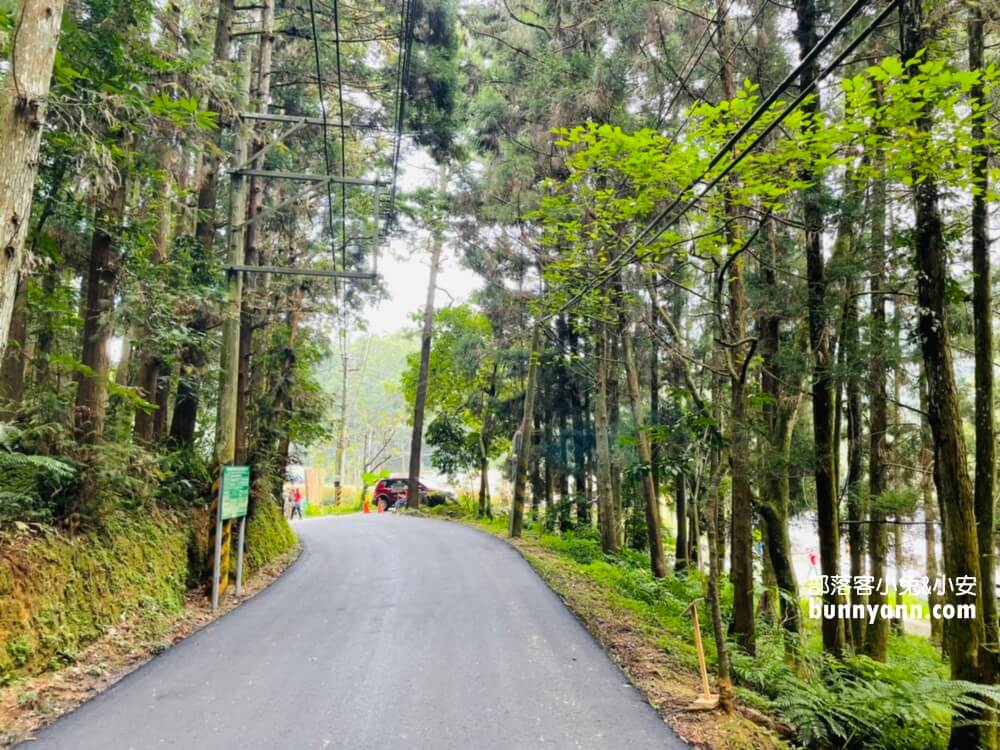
268,533
373,477
465,386
80,586
858,703
31,486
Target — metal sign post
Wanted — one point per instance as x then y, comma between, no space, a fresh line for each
217,559
239,557
234,497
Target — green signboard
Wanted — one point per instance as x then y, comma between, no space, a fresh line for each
235,491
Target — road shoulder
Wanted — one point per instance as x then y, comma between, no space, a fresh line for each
28,705
666,682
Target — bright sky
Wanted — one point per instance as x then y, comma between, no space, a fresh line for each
405,267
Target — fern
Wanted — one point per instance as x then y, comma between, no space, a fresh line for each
28,484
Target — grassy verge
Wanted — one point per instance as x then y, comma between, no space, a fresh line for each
856,703
59,591
78,612
639,622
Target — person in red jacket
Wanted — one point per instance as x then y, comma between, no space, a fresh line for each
296,502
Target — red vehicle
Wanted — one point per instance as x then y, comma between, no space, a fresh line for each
390,491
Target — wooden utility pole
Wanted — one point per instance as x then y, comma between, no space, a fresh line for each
22,116
249,313
342,422
225,426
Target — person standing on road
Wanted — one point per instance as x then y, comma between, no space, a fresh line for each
296,502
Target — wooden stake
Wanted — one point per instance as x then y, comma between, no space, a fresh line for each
707,700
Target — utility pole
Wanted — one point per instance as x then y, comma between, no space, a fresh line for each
250,312
342,426
225,426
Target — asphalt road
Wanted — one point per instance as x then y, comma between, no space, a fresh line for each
389,632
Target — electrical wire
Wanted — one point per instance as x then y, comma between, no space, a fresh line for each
405,48
343,139
326,141
631,252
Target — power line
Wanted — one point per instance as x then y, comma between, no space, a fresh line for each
630,252
718,74
326,142
405,47
343,140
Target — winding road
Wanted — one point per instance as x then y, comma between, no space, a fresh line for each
389,632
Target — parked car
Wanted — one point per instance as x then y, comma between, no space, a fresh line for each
394,489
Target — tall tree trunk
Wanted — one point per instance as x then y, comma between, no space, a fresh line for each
566,501
184,423
849,391
185,418
537,481
930,510
965,638
14,359
715,557
548,438
46,329
160,420
780,412
151,364
855,468
602,437
741,549
147,381
102,278
819,340
524,449
581,429
22,119
982,316
614,430
877,632
657,562
283,394
416,440
681,547
341,447
485,437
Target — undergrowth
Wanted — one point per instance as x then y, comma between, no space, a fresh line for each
854,703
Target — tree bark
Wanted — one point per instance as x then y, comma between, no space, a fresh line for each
658,564
605,495
416,440
184,423
715,557
779,412
102,279
819,339
964,638
22,119
982,316
877,632
931,515
14,356
681,513
524,450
